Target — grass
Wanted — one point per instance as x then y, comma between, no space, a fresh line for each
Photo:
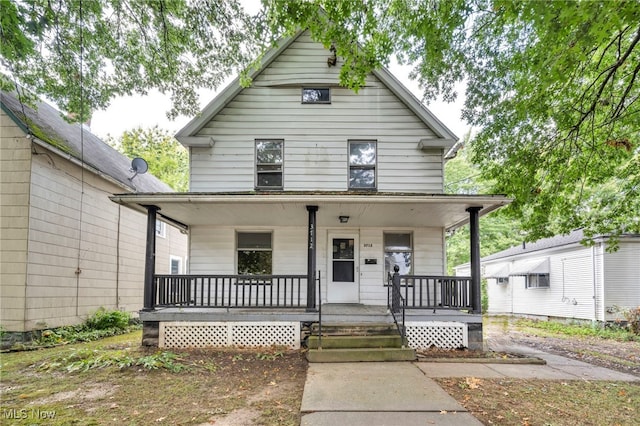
114,380
547,402
555,328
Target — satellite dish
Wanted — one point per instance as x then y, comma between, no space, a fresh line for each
138,166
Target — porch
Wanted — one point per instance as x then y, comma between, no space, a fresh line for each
219,310
354,239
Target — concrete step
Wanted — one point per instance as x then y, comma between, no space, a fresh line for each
361,355
355,329
370,341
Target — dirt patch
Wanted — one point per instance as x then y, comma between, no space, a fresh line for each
511,401
216,386
546,402
616,355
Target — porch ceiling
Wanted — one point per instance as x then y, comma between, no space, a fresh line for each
282,209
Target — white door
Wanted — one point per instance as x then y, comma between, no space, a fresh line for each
342,282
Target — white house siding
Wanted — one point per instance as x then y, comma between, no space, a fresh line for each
15,165
315,136
622,277
500,296
213,252
571,291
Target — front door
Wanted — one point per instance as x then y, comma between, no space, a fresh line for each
342,283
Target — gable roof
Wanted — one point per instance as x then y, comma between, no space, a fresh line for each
188,134
48,129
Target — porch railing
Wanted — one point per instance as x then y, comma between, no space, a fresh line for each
231,291
397,304
436,292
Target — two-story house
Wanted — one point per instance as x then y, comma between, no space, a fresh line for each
305,196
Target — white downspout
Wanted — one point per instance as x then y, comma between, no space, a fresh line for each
593,278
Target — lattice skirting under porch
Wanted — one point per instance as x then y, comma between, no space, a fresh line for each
216,334
445,335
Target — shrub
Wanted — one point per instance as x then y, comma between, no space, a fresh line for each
633,319
103,320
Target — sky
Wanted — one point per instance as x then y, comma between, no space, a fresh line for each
127,113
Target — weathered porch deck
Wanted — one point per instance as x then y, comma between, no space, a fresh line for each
332,313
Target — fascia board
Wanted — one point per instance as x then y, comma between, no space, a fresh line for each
415,105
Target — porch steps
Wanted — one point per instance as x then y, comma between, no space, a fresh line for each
358,343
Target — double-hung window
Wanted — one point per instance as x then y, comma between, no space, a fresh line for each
269,163
398,250
537,281
362,164
254,253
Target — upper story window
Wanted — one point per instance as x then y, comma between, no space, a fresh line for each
316,95
269,158
362,164
254,253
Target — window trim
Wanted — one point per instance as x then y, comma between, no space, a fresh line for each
161,229
528,285
173,258
303,102
385,251
374,166
257,165
238,249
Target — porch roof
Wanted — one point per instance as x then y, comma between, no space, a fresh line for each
286,208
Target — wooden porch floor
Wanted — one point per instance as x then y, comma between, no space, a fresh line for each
332,313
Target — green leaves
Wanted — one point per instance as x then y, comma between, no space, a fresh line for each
553,87
167,159
83,53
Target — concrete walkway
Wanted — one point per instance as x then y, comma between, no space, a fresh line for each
403,393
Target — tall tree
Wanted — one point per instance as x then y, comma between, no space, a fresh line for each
498,231
80,54
552,86
167,159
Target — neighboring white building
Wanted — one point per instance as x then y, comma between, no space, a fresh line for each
65,248
298,179
561,278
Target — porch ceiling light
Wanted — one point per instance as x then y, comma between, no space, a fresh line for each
343,219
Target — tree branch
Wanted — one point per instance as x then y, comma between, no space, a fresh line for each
612,70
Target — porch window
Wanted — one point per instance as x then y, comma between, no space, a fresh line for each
398,250
269,161
316,95
362,164
254,253
537,281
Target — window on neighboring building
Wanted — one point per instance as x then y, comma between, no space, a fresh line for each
398,250
537,281
254,253
269,158
176,265
316,95
362,164
161,229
